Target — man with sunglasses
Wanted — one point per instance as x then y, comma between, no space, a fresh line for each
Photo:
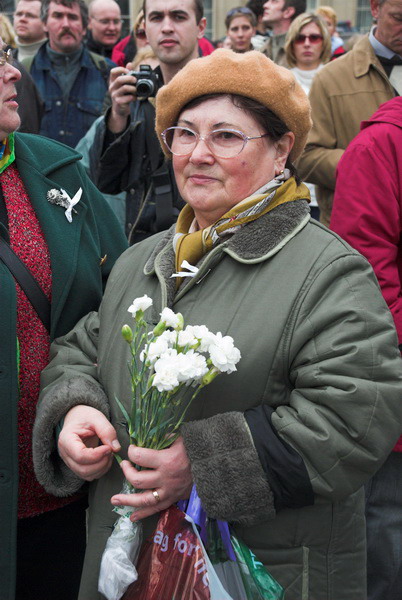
348,91
104,26
278,15
125,153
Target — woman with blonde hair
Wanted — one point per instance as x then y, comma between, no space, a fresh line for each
308,48
7,32
145,56
329,15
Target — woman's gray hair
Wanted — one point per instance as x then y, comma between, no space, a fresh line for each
295,29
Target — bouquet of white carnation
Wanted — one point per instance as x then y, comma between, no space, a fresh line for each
164,363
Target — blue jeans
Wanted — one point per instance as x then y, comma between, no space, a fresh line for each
384,531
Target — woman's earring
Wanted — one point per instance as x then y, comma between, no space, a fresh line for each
283,175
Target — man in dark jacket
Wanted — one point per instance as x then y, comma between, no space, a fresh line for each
71,80
126,150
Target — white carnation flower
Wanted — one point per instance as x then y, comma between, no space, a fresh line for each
170,337
190,366
140,304
186,338
155,350
202,333
223,353
165,380
170,318
166,371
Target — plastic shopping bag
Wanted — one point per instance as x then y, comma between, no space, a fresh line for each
117,569
174,565
191,557
239,570
258,582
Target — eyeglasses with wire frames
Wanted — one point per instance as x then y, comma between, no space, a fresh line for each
108,21
313,38
223,143
6,58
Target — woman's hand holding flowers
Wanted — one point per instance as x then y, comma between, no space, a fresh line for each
167,471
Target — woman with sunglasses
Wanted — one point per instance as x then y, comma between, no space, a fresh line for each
282,448
308,48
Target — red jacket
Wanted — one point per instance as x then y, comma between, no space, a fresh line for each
367,210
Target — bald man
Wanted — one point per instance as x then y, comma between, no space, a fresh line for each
104,26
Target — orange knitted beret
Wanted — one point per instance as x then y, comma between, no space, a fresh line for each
251,74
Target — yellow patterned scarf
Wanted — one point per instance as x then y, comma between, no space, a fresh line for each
192,246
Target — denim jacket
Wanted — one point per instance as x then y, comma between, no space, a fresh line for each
69,122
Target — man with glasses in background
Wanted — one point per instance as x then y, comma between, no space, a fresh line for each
104,26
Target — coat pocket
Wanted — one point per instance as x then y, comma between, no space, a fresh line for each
290,567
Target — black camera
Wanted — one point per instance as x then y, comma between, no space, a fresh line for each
147,81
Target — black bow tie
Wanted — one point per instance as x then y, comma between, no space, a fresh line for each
395,60
389,63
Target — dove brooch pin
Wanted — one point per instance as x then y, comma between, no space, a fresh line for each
61,198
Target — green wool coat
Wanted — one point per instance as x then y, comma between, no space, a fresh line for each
78,280
318,345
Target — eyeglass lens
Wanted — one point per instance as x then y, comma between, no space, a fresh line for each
223,143
6,57
313,38
109,21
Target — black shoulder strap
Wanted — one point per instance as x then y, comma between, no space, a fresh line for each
27,282
101,65
163,190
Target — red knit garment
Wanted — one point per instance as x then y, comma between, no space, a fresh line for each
28,242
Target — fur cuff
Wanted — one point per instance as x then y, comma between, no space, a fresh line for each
50,470
226,469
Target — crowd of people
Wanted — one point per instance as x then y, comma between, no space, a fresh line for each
270,162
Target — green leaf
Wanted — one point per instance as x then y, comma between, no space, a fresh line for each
123,410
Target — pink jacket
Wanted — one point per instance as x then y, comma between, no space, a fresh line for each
367,209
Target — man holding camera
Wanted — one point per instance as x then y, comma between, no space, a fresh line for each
126,152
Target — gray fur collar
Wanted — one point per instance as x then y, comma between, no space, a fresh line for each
253,243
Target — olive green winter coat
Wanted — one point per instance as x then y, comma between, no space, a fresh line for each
318,345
